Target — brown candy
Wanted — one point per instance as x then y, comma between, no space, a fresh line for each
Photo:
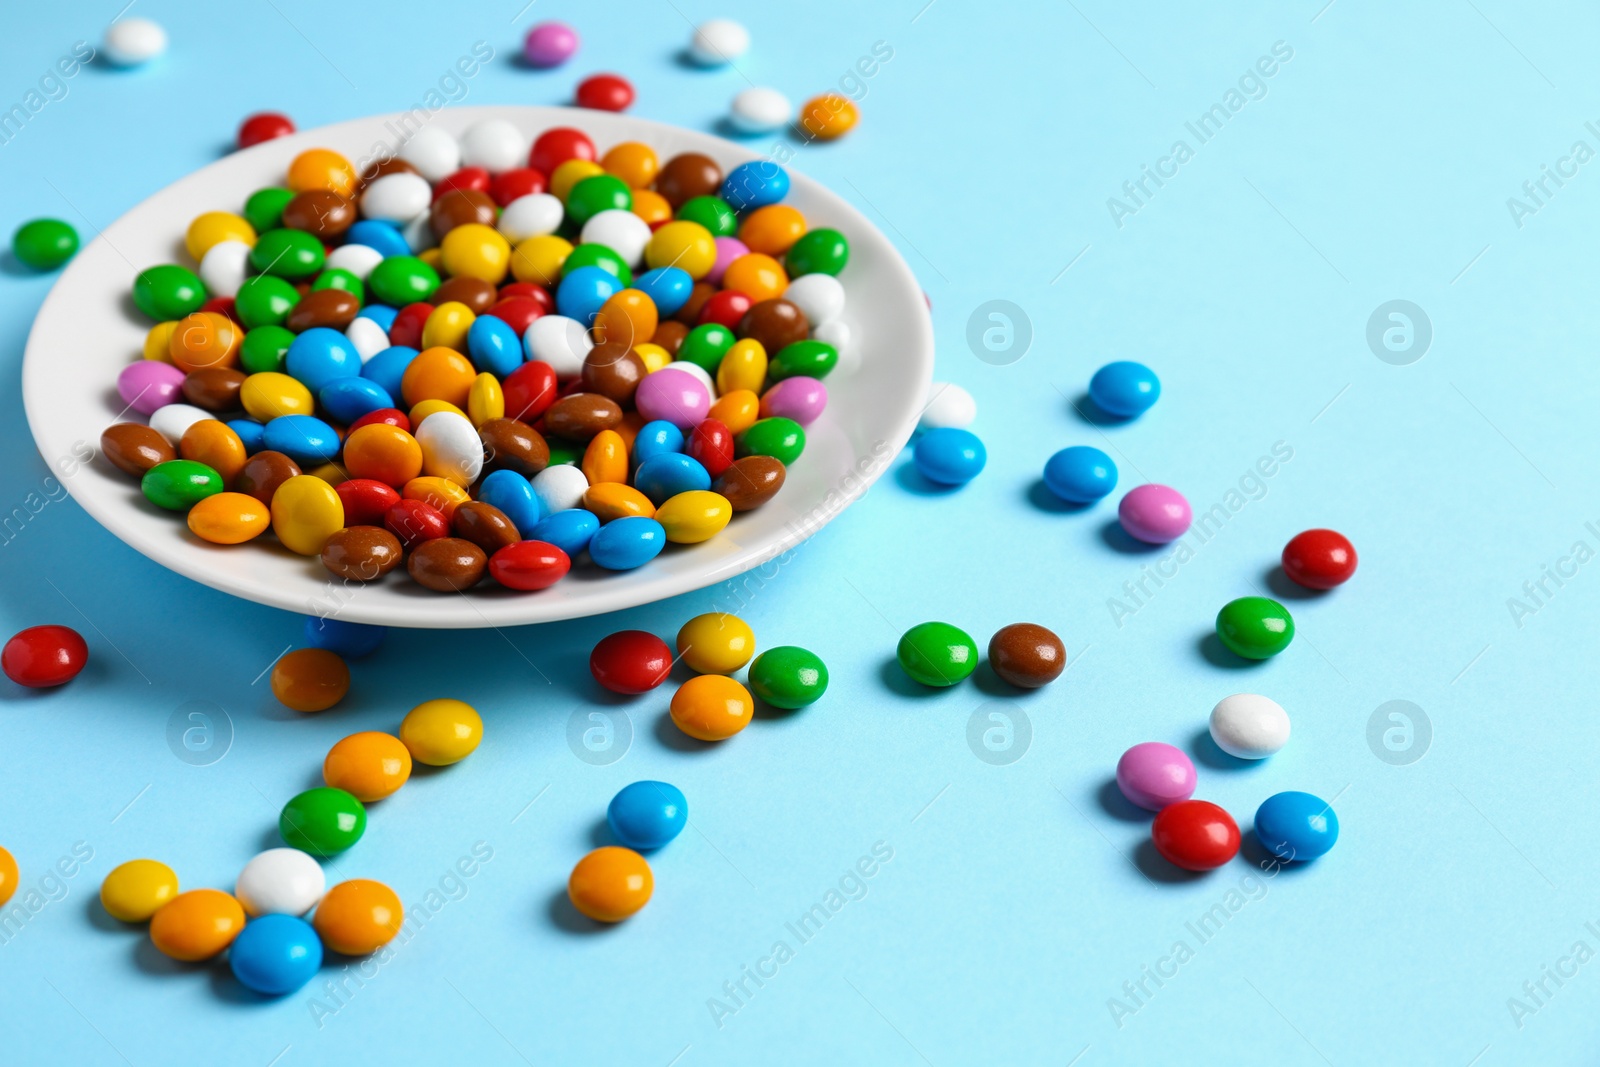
670,335
750,482
334,308
392,165
214,388
513,445
134,448
459,207
774,323
476,293
1027,655
361,553
687,176
582,415
613,370
484,525
262,473
689,314
322,213
447,564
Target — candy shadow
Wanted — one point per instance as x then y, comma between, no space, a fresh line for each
600,835
1095,415
1115,804
1286,588
101,919
894,676
724,127
153,961
569,919
13,267
1158,869
684,59
768,713
1120,540
1040,496
669,735
991,684
1256,854
1219,655
912,481
228,988
1204,749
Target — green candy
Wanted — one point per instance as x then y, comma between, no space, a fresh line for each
563,451
782,439
821,251
705,345
937,654
291,254
339,278
789,677
264,349
811,358
44,244
322,821
168,292
402,280
180,484
603,192
712,212
1255,627
264,210
594,254
264,300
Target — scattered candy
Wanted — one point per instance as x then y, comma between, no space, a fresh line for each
1249,726
829,116
44,244
133,891
1027,655
759,110
1296,826
310,679
1255,627
197,925
549,44
1195,835
789,677
949,407
369,765
133,41
716,643
949,456
323,821
8,876
604,92
358,917
1124,389
630,662
275,955
937,654
717,42
264,126
610,884
712,707
647,815
1319,559
441,732
280,881
1154,775
44,656
1155,514
1080,474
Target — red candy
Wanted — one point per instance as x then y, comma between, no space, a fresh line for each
414,522
1319,559
517,313
43,656
725,308
604,92
529,565
532,291
529,390
386,416
471,179
555,146
366,501
264,126
710,444
630,661
222,305
1195,835
516,182
407,327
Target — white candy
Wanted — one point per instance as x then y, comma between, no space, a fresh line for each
357,259
759,110
433,152
224,267
819,296
560,342
130,42
559,488
623,232
451,448
280,881
397,198
1249,726
837,334
419,235
495,145
718,41
694,370
368,337
533,215
172,420
949,407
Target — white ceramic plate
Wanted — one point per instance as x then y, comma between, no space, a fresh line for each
87,331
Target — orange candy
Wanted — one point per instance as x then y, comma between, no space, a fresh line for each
358,917
758,276
310,679
633,162
712,707
438,374
828,116
737,410
610,884
205,339
383,452
652,207
197,925
214,443
772,229
628,317
440,493
369,766
322,168
606,458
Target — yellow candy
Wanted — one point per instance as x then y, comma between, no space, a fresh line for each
655,357
475,251
539,259
738,410
571,173
688,246
158,342
447,325
743,366
441,732
305,513
606,459
695,516
432,257
135,890
614,500
486,400
269,394
422,409
716,642
213,228
439,493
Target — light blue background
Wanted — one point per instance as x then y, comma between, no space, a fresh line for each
1019,898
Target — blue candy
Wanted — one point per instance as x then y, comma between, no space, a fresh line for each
570,530
1296,826
623,544
494,346
305,439
755,184
655,439
250,432
388,367
275,954
1124,389
667,287
1080,474
666,475
382,314
351,640
513,494
949,456
647,815
583,291
321,355
347,399
385,237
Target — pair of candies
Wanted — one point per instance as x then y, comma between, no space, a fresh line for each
1198,835
1023,654
1258,627
614,881
41,657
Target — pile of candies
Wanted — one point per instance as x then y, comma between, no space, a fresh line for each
449,361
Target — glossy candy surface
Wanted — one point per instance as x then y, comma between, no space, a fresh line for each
310,679
368,765
358,917
196,925
627,543
1195,835
1319,559
789,677
44,244
712,707
1027,655
1124,389
647,815
1155,774
1296,826
716,643
44,656
280,881
275,955
1249,726
1255,627
1154,514
441,732
323,821
937,654
133,891
949,456
1080,474
610,884
630,661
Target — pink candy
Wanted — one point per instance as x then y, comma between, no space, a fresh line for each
728,250
799,398
149,384
1154,775
549,44
673,396
1155,514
